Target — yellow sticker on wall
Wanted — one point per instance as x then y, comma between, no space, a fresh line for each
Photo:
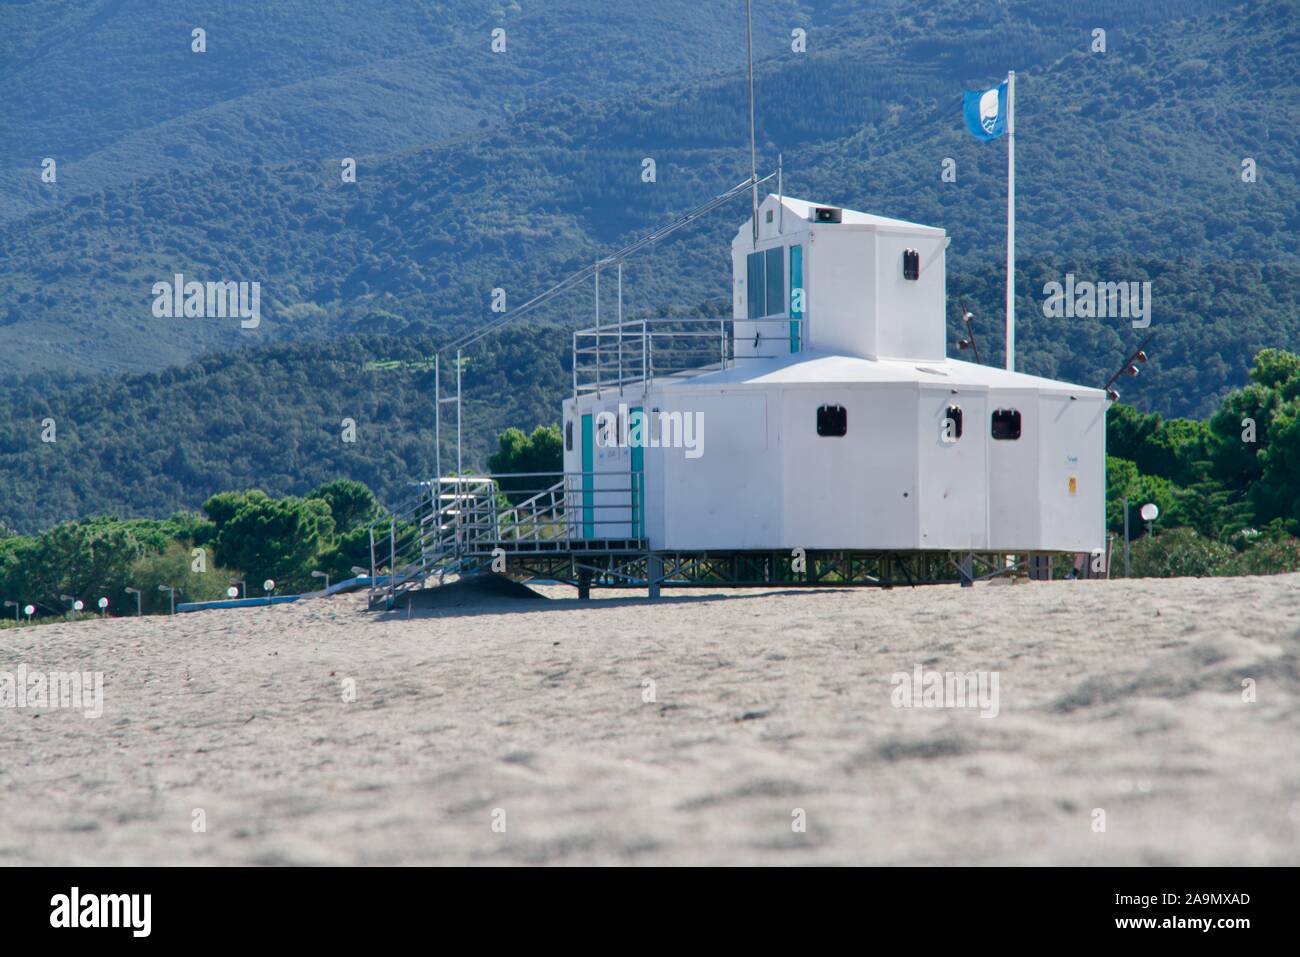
1074,485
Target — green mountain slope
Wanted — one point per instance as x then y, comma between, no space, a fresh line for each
1120,155
114,92
1128,169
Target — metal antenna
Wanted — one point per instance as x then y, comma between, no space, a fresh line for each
753,153
780,193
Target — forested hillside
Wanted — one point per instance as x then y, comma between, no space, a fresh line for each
1129,167
270,418
1131,155
114,91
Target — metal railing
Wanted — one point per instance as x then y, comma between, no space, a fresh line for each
634,351
458,525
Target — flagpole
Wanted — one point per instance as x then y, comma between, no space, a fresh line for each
1011,221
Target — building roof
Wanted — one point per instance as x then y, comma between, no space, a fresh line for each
819,368
802,209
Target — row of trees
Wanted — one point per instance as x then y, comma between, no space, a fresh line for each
239,536
1228,487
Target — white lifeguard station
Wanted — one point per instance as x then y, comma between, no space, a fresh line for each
820,434
831,417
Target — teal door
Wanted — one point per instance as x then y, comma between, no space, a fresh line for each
796,297
637,429
588,479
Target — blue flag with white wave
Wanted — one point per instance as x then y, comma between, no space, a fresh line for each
986,111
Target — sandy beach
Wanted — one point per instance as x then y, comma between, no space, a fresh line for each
508,731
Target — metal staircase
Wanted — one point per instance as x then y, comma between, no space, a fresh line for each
463,525
435,536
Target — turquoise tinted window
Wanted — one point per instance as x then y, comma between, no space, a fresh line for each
775,268
796,304
755,292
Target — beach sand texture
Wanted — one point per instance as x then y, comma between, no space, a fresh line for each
1120,696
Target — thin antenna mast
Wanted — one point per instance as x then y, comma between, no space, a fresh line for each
753,154
780,193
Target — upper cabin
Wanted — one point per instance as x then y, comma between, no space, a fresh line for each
844,282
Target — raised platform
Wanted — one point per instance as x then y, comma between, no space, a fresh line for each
584,568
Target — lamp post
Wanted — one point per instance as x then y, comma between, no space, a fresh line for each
1150,512
103,607
268,587
1127,563
323,575
75,604
243,585
172,592
29,611
136,593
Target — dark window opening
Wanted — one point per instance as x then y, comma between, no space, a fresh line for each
568,436
828,214
953,413
769,215
832,421
911,264
1006,424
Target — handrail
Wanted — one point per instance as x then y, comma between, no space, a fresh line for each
601,362
457,521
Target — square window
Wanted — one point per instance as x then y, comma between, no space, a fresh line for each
832,421
1006,424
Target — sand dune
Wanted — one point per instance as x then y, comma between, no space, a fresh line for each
1120,696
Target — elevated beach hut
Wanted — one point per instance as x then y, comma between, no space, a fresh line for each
832,417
